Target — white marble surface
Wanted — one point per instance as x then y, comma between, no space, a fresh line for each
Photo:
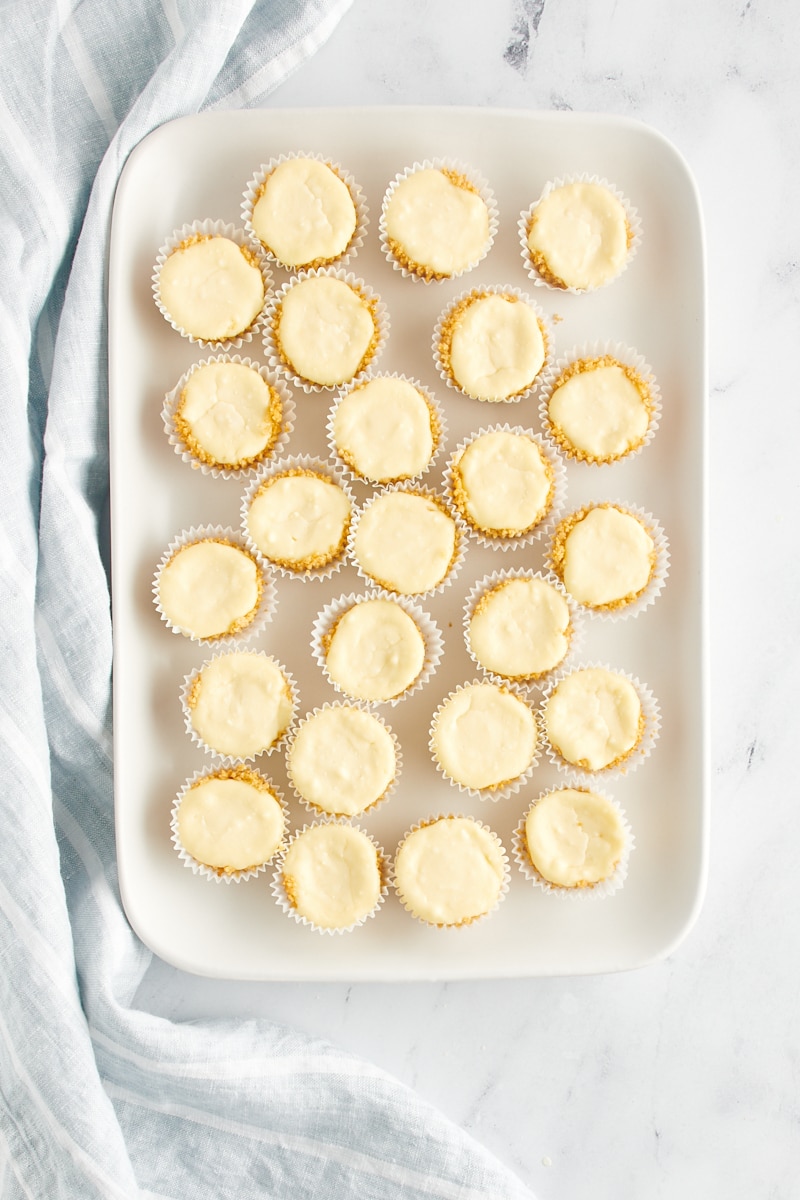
680,1080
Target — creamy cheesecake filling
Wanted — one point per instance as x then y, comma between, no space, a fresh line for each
299,519
607,557
436,223
240,704
405,542
450,872
385,430
600,408
375,651
325,330
520,629
230,821
593,718
575,838
484,736
305,213
342,760
503,484
211,287
331,875
228,414
578,236
209,588
496,346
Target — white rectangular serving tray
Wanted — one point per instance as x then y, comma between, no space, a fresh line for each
198,167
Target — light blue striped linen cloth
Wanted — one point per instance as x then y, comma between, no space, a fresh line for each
97,1099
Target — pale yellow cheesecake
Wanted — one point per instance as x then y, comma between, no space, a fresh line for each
230,821
325,330
593,718
405,541
450,871
210,588
299,519
304,213
578,236
331,875
342,760
599,409
211,287
574,838
240,704
228,415
483,737
520,628
374,651
436,223
385,430
502,484
605,556
492,346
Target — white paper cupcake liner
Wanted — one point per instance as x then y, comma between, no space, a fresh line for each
631,215
659,573
211,228
272,315
216,471
297,462
575,617
598,891
438,426
357,195
199,868
439,341
460,540
330,614
511,786
314,809
484,191
267,602
626,356
279,891
651,727
544,528
470,921
231,760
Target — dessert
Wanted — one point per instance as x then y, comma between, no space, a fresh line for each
239,704
229,821
227,414
578,236
520,628
435,223
342,760
331,876
405,541
303,213
502,483
483,737
374,650
491,345
325,329
385,429
450,871
599,409
211,288
604,555
593,718
298,518
574,838
209,588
